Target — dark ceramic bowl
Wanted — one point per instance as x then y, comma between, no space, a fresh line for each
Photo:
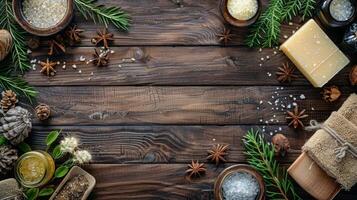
326,18
236,22
238,168
20,18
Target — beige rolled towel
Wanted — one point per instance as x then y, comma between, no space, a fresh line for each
323,147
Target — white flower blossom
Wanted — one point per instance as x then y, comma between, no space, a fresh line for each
82,156
69,144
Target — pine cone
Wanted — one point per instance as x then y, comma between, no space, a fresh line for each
16,125
9,100
43,112
281,144
8,157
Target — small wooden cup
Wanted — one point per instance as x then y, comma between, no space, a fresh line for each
313,179
20,18
238,168
236,22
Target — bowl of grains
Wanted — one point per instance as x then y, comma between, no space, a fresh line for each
43,17
239,182
241,13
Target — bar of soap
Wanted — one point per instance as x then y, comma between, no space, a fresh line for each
314,54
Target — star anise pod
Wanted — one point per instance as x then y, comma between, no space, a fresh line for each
331,94
56,45
353,75
74,34
217,153
100,58
103,37
286,73
225,36
48,67
295,117
195,169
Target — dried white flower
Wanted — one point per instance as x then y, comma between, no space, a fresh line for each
69,144
82,156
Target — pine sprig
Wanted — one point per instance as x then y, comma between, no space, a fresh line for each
103,15
292,9
261,156
19,50
265,32
18,85
308,8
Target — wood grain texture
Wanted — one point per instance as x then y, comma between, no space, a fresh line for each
172,66
180,105
160,181
165,144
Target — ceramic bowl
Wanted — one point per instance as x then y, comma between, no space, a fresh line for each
238,168
20,18
236,22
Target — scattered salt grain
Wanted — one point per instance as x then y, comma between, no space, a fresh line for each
302,96
29,51
82,59
74,66
80,71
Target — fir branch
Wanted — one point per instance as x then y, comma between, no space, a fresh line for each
261,156
308,8
18,85
267,29
19,51
291,9
103,15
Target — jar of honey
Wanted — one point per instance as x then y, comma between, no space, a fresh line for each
34,169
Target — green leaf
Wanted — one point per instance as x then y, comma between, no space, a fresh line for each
61,171
32,193
24,147
57,153
3,140
52,137
46,192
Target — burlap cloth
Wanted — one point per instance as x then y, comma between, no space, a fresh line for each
321,146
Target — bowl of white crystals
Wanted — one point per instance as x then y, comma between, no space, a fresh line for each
43,17
239,182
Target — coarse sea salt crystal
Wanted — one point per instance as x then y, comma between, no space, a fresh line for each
242,9
240,185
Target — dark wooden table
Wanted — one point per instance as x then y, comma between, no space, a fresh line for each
144,120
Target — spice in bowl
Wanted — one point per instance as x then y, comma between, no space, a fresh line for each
240,186
341,10
44,13
242,9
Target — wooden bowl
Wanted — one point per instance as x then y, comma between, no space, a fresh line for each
238,168
72,173
236,22
313,179
20,18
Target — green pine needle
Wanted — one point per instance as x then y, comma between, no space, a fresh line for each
261,156
292,9
103,15
308,8
19,50
19,86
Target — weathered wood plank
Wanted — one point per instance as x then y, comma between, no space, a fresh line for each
163,22
172,66
164,144
160,181
180,105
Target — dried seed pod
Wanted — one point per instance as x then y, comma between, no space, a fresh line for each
16,125
5,43
43,112
353,76
9,100
281,144
8,157
331,94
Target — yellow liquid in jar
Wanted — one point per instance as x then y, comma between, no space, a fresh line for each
32,169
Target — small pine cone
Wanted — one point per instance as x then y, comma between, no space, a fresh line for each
281,144
331,94
8,157
9,100
43,112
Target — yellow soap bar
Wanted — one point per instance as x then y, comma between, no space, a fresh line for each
314,54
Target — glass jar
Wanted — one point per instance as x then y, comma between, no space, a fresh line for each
332,15
34,169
